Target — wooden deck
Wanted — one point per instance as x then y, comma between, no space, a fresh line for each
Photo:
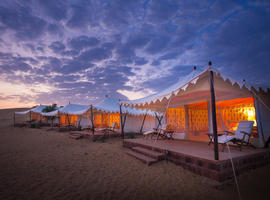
99,135
198,157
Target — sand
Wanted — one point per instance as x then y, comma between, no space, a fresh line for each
40,164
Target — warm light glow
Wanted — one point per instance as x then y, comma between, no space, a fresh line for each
250,112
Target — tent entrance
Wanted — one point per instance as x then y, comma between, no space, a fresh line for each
234,111
195,119
68,119
105,120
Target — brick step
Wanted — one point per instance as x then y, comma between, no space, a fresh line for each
148,152
145,159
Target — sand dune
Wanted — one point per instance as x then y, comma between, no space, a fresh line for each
40,164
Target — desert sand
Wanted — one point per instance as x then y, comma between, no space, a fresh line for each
41,164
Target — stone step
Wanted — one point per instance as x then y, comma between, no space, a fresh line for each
148,152
145,159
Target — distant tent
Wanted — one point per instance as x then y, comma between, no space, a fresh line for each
35,114
186,105
108,111
72,114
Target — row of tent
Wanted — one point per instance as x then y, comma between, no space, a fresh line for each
104,115
186,105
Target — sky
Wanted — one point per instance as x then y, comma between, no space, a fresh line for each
58,51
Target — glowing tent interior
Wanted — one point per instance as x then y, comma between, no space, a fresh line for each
34,114
108,111
72,114
104,114
186,106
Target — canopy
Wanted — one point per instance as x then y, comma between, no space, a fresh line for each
111,105
74,109
194,88
37,109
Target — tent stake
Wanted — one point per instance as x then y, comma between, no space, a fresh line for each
214,117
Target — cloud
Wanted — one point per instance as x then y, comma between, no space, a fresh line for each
121,14
83,50
81,15
95,54
57,47
21,20
82,42
56,9
140,61
161,11
10,63
157,44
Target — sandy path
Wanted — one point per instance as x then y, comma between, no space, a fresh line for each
40,164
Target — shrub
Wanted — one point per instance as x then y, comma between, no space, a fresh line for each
50,109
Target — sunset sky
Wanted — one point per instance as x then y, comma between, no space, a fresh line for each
78,51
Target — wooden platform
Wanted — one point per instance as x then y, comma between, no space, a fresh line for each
97,136
198,157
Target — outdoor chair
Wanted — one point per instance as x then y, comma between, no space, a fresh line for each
107,130
150,133
166,132
241,136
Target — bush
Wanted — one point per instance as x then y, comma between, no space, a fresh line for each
34,126
50,109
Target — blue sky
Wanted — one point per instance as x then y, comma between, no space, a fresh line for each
80,51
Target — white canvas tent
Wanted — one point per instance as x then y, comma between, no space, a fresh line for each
134,117
72,113
34,113
187,102
37,110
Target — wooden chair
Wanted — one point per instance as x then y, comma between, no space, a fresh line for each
166,133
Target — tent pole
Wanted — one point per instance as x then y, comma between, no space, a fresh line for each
214,117
159,120
14,119
258,118
30,117
109,121
186,121
142,123
121,121
125,117
59,118
92,120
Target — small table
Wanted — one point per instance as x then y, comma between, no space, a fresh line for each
211,137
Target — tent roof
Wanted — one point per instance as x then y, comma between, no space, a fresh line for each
52,113
37,109
74,109
193,88
108,105
111,105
